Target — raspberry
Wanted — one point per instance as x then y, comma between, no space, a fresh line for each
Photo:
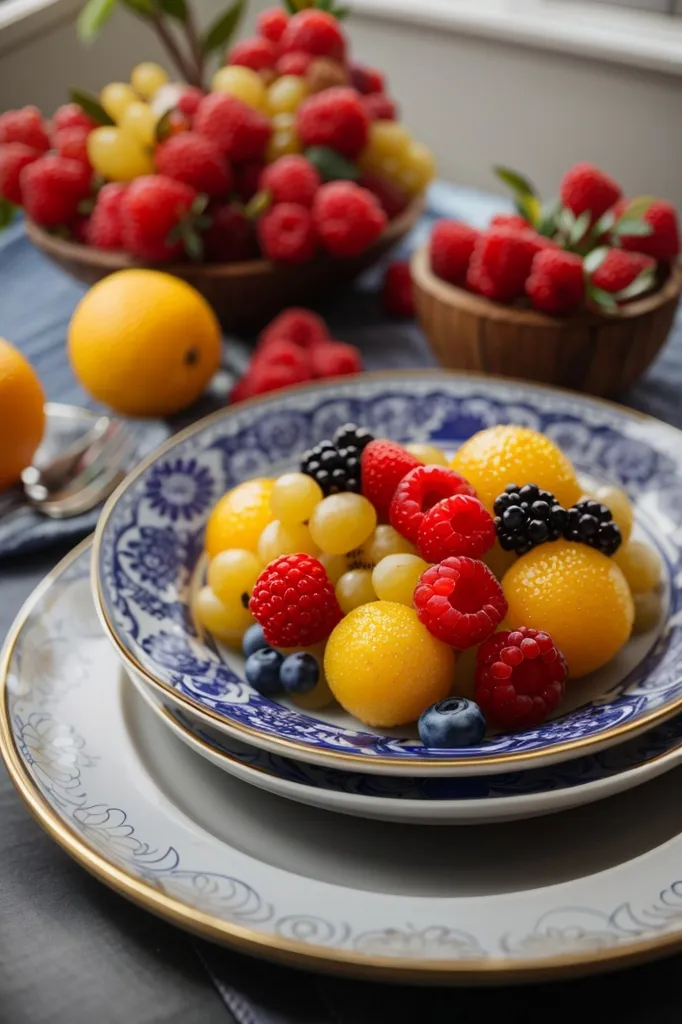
460,525
585,187
283,353
51,189
79,229
315,32
105,228
509,220
460,601
295,63
391,198
335,359
334,118
556,282
420,490
452,244
241,390
151,208
247,178
366,80
501,263
325,73
619,269
25,125
291,179
231,236
271,23
14,156
520,678
664,242
287,234
348,218
384,464
189,100
397,295
264,378
294,601
380,107
299,326
239,131
70,115
256,54
73,144
195,160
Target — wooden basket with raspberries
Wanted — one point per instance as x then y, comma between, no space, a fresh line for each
288,178
581,292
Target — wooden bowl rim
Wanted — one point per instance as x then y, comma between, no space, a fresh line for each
76,252
459,298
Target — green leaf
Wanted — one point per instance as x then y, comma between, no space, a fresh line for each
547,224
565,220
324,5
604,301
199,204
174,9
529,207
637,207
291,6
257,205
595,259
221,31
93,17
629,226
164,126
644,282
580,226
604,224
340,13
194,246
91,105
331,165
145,8
8,212
516,182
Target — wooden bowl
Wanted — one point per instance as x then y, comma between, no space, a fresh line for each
245,296
600,354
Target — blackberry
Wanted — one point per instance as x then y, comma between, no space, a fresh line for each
527,516
590,522
335,465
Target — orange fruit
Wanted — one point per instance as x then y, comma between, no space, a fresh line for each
577,595
144,343
506,454
240,517
22,414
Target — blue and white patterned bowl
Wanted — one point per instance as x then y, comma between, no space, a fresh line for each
150,539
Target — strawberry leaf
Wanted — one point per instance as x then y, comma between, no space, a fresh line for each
565,221
517,183
90,105
291,6
547,224
218,35
174,9
8,212
199,204
644,282
580,226
93,17
529,207
603,301
637,207
164,126
340,13
258,205
594,259
193,243
630,226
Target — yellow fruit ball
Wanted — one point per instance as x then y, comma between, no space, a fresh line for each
355,588
116,97
386,140
277,540
577,595
283,142
22,413
283,121
242,83
498,560
294,497
334,566
286,94
240,517
227,622
418,168
139,120
342,522
147,78
648,611
144,343
383,665
620,506
386,541
233,573
428,454
641,565
395,577
117,155
507,454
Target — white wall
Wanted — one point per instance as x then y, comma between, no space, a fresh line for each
475,102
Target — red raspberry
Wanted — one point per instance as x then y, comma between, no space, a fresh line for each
380,107
383,465
152,207
51,189
452,244
315,32
664,242
247,179
397,295
287,234
391,198
299,326
105,227
556,283
335,359
25,125
189,100
255,53
73,143
366,80
79,229
271,23
239,131
241,390
585,187
291,179
336,118
460,601
264,377
509,220
231,237
501,262
620,269
294,601
70,115
420,490
460,525
14,156
295,63
520,678
283,353
348,218
195,160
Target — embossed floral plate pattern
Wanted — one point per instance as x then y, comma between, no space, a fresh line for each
327,892
150,539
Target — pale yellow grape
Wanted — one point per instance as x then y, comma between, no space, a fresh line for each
355,588
428,454
386,541
396,576
116,155
294,497
418,168
286,94
342,522
648,609
334,566
233,573
621,508
277,540
641,565
227,622
283,142
242,83
387,140
147,78
283,121
139,120
116,97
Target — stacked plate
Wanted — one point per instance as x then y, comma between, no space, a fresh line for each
138,744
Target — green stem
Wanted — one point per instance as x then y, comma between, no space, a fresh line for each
186,68
195,46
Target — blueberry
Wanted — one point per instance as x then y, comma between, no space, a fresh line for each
453,722
253,640
300,673
262,671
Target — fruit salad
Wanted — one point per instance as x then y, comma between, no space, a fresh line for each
462,593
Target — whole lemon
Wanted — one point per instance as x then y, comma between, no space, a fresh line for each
144,343
22,416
